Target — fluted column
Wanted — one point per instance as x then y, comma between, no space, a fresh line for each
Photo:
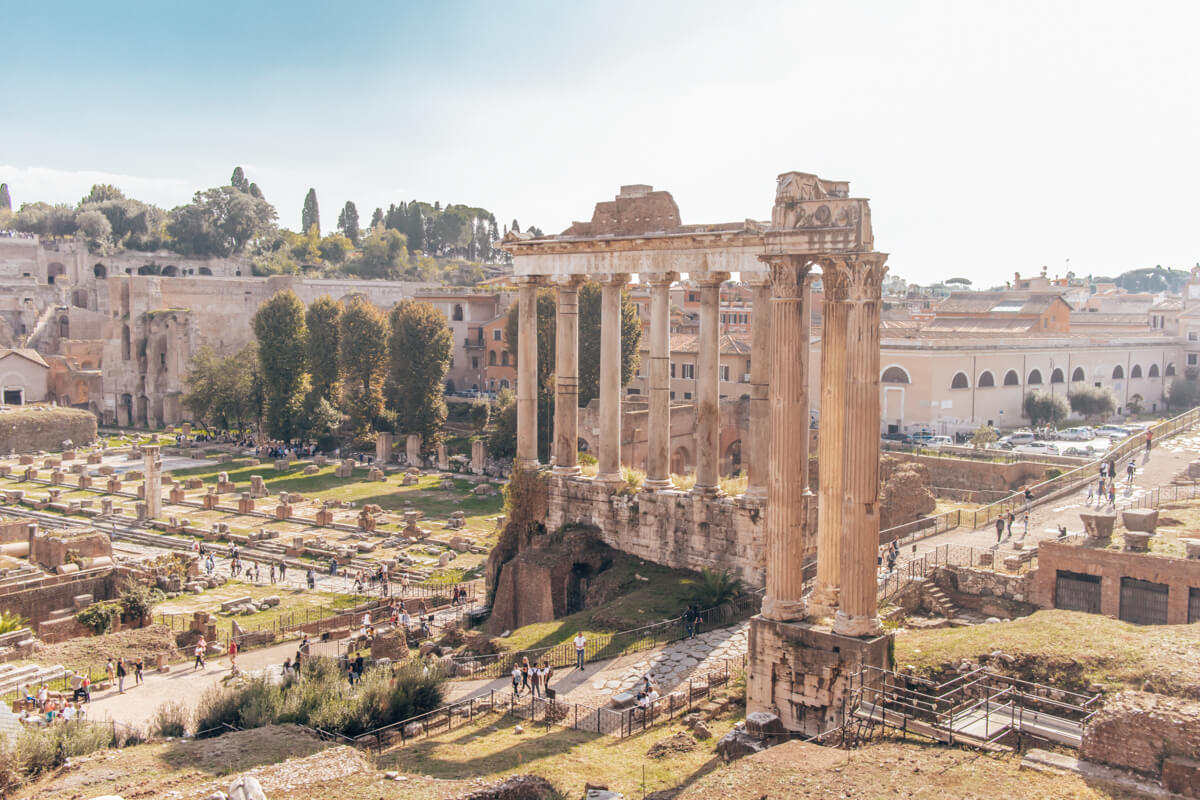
610,378
527,422
858,608
708,384
788,495
658,460
760,405
566,378
831,439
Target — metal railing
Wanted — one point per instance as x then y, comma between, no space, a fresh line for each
1070,480
918,568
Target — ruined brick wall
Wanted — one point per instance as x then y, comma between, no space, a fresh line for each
1179,574
962,473
1138,731
33,428
36,599
993,594
676,529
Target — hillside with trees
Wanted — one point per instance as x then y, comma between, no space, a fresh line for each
412,240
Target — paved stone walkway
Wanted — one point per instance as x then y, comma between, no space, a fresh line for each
1166,460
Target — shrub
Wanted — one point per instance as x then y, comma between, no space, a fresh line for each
40,750
170,720
138,600
98,617
10,622
715,587
631,480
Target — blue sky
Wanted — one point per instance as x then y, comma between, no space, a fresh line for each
990,137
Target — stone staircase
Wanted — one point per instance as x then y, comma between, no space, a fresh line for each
13,678
939,600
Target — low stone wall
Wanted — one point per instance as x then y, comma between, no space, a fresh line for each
965,473
676,529
33,428
993,594
1143,732
35,599
1179,574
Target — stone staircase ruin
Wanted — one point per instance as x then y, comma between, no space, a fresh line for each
938,599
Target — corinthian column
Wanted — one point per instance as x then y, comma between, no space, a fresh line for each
566,378
857,602
658,461
527,422
835,279
708,384
760,405
787,488
610,379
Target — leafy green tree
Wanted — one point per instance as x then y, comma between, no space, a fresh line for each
1045,408
1094,403
282,349
334,248
5,198
481,414
502,440
715,587
418,359
348,222
376,217
219,222
222,391
130,220
1181,393
310,217
255,192
101,193
384,255
363,349
95,227
589,341
238,180
323,320
983,436
323,423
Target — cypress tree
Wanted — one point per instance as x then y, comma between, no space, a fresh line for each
311,215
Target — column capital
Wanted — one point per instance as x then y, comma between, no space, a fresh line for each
660,279
854,277
525,281
709,280
788,272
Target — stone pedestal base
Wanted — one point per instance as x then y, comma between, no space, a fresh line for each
847,625
802,673
785,610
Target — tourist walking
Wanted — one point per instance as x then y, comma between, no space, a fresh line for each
1026,531
233,651
525,674
1028,499
199,652
1000,527
580,645
138,667
1112,494
111,671
271,573
282,571
1149,440
1129,470
121,676
516,680
1008,522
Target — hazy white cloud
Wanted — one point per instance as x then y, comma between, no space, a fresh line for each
31,184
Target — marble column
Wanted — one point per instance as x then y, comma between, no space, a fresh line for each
760,405
610,378
708,384
788,496
152,477
858,608
527,422
658,460
831,437
566,378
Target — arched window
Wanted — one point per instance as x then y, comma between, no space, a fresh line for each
1135,371
492,358
504,383
1078,375
504,359
894,375
171,271
1170,373
960,381
1153,371
458,315
1118,372
986,380
100,271
1056,376
1035,378
1011,378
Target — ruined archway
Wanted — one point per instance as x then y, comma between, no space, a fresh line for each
681,461
731,459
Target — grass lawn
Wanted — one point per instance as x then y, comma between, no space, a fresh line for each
663,594
1069,649
566,757
297,604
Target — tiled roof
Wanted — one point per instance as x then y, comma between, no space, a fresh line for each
25,352
997,303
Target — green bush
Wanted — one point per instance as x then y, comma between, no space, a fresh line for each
40,750
10,622
322,698
98,617
715,587
170,720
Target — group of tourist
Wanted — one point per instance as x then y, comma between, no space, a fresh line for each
1106,488
119,671
533,678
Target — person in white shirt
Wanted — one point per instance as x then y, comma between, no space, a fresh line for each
580,643
516,679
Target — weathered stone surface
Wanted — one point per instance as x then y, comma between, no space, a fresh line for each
1136,541
1137,730
246,787
1140,519
738,743
763,724
1098,526
518,787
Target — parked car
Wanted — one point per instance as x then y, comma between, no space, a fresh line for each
1023,436
1038,448
922,437
1111,432
1079,450
897,438
938,442
1136,427
1081,433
